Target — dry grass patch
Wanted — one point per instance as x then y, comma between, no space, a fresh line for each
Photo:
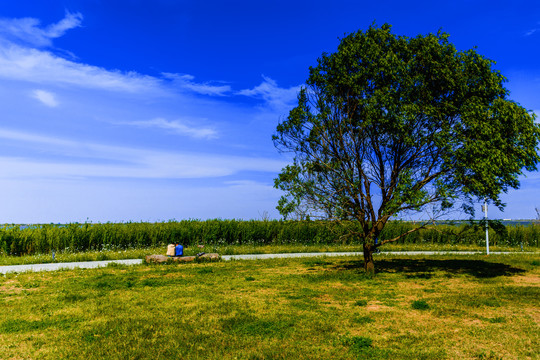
526,280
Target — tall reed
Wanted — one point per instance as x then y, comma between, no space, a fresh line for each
36,239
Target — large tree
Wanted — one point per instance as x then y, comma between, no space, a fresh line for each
389,124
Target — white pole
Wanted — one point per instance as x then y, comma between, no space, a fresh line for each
487,227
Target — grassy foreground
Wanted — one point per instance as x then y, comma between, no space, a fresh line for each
312,308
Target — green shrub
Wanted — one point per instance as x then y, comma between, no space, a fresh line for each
420,305
358,344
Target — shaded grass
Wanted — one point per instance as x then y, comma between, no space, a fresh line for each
324,308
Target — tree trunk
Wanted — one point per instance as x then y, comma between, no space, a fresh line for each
369,265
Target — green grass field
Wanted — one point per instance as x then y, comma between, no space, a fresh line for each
451,307
140,253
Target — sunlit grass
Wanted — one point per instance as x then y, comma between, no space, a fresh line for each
473,307
111,254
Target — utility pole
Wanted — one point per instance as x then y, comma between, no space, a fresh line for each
484,208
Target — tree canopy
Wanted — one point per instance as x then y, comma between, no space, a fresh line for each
390,124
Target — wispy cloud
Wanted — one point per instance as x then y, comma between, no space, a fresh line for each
533,30
176,126
185,81
84,159
21,58
248,184
41,67
28,30
45,97
274,96
80,145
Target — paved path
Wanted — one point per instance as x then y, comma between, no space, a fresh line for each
293,255
96,264
70,265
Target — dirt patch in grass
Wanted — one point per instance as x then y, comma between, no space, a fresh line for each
376,306
534,313
527,280
5,290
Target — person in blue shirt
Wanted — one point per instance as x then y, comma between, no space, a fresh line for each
178,250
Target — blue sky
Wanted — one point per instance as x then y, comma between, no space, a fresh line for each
155,110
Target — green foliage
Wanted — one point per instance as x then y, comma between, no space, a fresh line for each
388,124
497,320
42,239
420,305
358,344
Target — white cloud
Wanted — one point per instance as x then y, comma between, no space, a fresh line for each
533,30
70,170
82,160
276,97
21,60
33,138
72,20
185,81
248,184
177,126
45,97
27,30
41,67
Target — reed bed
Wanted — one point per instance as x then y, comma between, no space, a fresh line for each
75,237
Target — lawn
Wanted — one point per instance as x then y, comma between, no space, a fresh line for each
453,307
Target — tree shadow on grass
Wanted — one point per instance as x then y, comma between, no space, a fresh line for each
424,268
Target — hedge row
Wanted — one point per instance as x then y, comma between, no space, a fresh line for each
35,239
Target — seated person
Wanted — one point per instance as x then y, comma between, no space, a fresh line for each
178,250
171,250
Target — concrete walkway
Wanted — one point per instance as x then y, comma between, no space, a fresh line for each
70,265
95,264
293,255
